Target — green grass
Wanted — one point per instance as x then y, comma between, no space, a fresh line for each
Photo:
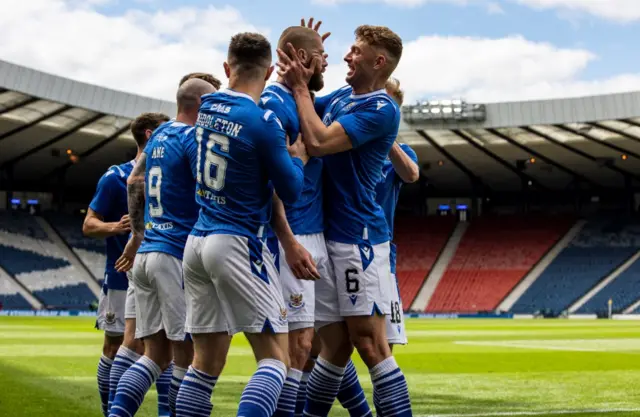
454,367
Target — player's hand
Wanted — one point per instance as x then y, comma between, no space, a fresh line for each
316,27
125,261
123,226
298,149
293,70
301,262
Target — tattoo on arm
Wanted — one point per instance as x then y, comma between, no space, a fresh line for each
136,197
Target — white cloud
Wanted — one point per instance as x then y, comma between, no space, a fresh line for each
617,10
490,70
494,8
399,3
147,53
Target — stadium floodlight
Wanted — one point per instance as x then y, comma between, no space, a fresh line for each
456,110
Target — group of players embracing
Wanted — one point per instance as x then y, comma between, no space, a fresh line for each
264,210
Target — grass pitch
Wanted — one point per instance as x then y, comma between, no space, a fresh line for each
456,368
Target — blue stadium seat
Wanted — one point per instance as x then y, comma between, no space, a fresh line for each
623,291
598,250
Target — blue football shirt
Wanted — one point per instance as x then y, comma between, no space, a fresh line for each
170,181
371,121
241,148
110,202
387,193
305,215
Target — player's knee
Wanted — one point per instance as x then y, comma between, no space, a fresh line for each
371,350
111,345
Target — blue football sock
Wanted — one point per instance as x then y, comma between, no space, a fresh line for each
289,396
133,386
104,369
261,394
176,380
351,394
390,391
162,388
322,388
194,396
123,360
302,395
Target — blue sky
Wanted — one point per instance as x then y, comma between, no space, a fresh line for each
484,50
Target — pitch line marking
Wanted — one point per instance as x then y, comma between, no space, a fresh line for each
536,413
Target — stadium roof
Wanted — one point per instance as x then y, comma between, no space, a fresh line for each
547,144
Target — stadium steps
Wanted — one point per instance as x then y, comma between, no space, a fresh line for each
71,256
22,290
539,268
612,276
632,308
437,272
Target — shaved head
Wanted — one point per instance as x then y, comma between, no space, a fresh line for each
308,44
190,91
300,37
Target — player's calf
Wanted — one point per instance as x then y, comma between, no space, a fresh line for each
300,343
128,353
109,351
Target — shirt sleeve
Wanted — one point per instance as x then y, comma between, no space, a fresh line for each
410,153
374,119
321,103
102,199
286,173
279,110
190,148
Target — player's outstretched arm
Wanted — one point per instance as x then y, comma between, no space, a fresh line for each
405,163
320,139
298,258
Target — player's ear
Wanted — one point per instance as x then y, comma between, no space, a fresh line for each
303,55
380,62
269,72
227,70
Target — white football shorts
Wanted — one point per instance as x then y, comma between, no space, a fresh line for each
159,296
396,334
130,304
361,281
231,285
300,295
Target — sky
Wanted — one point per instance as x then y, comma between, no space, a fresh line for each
478,50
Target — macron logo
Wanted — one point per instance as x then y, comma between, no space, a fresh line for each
380,105
265,99
258,265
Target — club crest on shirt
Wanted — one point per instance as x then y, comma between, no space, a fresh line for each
296,301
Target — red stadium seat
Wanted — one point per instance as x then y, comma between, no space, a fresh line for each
494,255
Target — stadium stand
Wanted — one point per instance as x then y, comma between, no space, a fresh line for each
34,260
494,255
90,251
601,246
419,242
10,298
624,290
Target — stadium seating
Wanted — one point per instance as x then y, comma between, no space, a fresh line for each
419,241
35,261
600,247
494,255
90,251
10,298
624,290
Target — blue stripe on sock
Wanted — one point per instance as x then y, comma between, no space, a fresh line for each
194,396
133,386
302,396
162,387
351,394
120,365
104,370
261,394
286,406
391,394
322,388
